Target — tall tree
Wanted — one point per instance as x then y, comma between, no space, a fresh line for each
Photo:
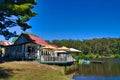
15,13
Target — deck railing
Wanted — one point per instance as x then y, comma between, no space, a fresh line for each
55,59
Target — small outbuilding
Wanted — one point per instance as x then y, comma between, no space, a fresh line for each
3,45
27,46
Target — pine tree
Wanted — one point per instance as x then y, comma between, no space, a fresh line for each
15,13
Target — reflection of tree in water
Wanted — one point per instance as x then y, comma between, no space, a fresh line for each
105,69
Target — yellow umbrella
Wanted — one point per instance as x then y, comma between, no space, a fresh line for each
49,47
63,48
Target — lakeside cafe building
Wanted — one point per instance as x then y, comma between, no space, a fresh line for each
30,47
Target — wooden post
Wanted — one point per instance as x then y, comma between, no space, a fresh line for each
66,60
24,51
40,52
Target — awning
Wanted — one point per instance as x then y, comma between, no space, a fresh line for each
63,48
74,50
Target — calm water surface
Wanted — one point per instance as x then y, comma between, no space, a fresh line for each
108,70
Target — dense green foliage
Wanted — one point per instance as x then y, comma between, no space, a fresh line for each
117,56
98,47
15,13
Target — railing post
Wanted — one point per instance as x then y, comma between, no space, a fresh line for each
66,57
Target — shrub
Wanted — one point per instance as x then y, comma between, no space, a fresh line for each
80,56
73,54
97,55
117,56
86,56
91,56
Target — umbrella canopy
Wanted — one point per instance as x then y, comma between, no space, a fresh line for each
74,50
63,48
49,47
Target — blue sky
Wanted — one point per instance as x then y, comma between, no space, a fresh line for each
76,19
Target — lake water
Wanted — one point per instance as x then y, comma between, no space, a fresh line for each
108,70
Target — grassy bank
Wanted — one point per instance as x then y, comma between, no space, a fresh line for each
30,71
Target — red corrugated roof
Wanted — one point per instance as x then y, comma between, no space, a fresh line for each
5,43
35,39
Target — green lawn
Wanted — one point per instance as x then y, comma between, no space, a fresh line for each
30,71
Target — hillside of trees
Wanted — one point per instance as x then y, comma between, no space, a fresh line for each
101,46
